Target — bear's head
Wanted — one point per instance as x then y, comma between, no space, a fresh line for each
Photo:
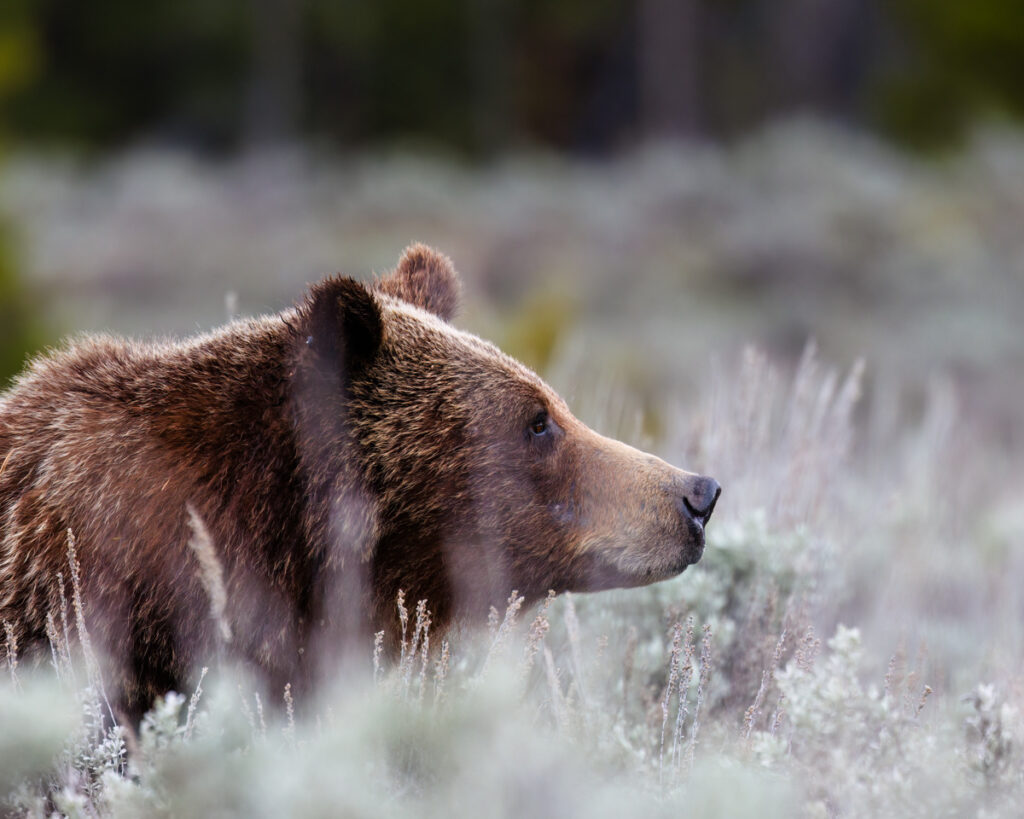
473,476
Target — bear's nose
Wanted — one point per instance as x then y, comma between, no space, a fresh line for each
700,497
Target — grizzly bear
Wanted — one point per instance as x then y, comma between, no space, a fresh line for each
331,455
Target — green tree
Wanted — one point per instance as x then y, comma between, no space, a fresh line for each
960,60
19,64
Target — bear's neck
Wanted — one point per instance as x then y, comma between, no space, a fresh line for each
220,405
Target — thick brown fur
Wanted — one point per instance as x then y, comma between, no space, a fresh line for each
335,453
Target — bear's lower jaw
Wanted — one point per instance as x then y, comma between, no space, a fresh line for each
601,574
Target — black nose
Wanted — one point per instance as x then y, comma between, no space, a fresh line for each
700,498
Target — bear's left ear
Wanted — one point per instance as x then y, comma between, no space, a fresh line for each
426,279
343,323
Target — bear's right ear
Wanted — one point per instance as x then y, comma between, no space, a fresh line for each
343,323
425,278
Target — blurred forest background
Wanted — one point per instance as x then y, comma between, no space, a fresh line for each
483,76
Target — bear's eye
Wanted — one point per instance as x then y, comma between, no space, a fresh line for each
539,425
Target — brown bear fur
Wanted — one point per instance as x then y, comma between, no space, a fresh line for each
333,454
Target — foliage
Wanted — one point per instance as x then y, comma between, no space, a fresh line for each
478,77
967,59
19,331
19,66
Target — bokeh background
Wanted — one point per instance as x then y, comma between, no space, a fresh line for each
635,192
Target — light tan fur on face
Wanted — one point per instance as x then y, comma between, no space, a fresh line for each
626,503
636,527
615,517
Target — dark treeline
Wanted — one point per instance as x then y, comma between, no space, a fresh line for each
483,75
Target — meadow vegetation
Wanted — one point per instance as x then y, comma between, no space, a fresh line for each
850,644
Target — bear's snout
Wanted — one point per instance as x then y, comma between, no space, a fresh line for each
699,497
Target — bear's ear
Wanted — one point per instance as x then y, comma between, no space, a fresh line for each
426,279
343,323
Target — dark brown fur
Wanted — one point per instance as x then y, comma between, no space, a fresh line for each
337,452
